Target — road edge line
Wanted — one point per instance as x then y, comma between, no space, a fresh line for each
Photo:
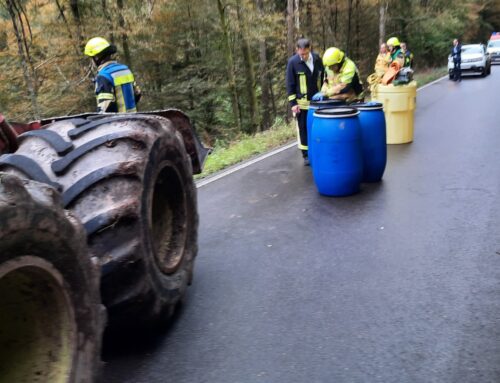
432,83
244,164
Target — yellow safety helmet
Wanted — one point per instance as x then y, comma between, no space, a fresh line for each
95,46
332,56
393,41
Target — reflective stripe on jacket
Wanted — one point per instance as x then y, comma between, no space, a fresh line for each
408,59
301,83
345,84
115,88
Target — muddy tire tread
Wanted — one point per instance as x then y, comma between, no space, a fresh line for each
110,162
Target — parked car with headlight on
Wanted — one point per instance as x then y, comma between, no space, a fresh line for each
475,59
493,49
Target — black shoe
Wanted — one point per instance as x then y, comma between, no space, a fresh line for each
306,161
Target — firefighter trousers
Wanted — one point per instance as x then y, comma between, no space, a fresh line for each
302,131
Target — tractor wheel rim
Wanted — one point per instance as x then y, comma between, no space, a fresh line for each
168,218
38,328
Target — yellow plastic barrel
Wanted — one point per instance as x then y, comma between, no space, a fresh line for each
399,109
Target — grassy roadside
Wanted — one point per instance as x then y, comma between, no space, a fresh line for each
429,75
281,133
248,146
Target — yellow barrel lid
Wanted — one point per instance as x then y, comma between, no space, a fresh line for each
412,86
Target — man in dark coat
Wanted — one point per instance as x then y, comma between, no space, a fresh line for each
304,75
456,54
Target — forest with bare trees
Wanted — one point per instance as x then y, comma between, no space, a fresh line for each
220,61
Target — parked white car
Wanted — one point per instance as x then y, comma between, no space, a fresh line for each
475,59
494,50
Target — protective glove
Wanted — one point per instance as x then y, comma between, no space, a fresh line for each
318,97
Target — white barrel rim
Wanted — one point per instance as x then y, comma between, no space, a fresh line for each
324,106
321,115
370,108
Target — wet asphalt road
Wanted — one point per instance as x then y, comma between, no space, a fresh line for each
400,283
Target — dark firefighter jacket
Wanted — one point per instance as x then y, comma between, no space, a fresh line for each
115,88
301,84
408,59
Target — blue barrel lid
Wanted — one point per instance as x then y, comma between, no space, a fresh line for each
372,105
336,112
325,104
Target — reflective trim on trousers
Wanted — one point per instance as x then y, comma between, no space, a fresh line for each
105,96
299,143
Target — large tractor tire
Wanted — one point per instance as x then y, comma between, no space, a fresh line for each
51,319
128,178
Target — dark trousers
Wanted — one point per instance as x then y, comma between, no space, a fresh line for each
302,136
457,72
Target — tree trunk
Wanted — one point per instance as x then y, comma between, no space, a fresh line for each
383,5
109,21
249,70
273,102
405,17
327,16
356,52
324,26
265,83
4,42
75,11
29,72
308,24
290,11
297,15
290,35
121,22
333,21
195,31
348,35
228,55
150,4
68,28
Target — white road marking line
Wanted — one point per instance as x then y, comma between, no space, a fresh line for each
432,83
245,164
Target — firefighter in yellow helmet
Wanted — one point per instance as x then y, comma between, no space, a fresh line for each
342,77
395,49
115,88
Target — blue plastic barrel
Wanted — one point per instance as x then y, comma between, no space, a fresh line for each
314,106
373,140
337,152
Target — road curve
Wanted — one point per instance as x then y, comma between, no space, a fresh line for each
399,283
